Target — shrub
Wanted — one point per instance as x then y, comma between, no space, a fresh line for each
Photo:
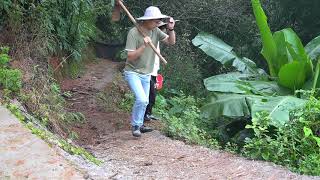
9,78
182,120
296,145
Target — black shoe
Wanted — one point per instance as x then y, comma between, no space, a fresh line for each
153,117
144,129
147,118
136,131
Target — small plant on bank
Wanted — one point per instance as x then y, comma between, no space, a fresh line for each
182,120
10,79
127,102
231,148
117,97
43,97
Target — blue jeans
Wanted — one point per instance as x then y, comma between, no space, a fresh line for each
140,86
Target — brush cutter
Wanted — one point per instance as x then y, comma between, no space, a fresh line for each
117,4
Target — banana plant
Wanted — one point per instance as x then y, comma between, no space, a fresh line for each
238,94
284,53
313,50
287,59
243,105
251,90
222,52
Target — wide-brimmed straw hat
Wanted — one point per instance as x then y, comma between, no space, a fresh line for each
152,12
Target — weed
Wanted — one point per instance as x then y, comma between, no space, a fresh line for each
127,102
73,135
74,118
231,148
116,96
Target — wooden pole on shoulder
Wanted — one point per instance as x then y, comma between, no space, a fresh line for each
141,31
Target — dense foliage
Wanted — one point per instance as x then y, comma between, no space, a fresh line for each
295,145
232,21
251,90
10,79
35,31
58,27
260,101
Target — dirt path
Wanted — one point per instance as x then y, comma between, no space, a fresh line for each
153,156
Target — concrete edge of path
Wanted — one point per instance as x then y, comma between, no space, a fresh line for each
24,155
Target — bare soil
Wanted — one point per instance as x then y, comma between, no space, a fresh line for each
153,156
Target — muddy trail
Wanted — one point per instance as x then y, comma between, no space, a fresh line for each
107,135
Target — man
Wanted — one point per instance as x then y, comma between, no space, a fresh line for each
140,62
148,116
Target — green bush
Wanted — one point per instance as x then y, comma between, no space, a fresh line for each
4,59
182,120
71,24
296,145
9,78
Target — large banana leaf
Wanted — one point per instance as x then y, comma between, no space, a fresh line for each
228,105
297,51
289,47
243,84
269,49
282,48
247,66
241,105
316,78
214,47
313,51
313,48
290,37
222,52
283,54
298,68
293,75
278,108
